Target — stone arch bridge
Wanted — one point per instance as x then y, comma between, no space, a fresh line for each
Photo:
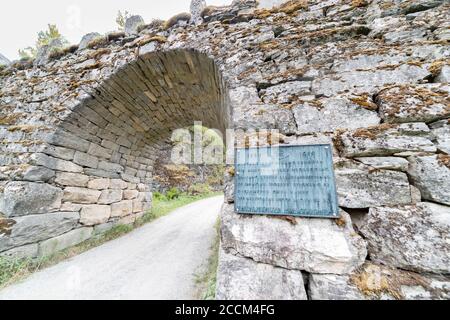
81,127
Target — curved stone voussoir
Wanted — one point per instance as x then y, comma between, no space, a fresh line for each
312,245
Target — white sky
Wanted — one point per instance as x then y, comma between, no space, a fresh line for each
21,20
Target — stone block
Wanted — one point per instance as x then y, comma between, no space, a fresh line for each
331,115
312,245
95,214
110,196
85,160
99,184
64,241
359,186
431,175
42,159
122,209
35,228
244,279
410,237
386,140
81,195
118,184
71,179
25,198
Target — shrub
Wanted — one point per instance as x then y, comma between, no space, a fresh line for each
173,194
158,196
200,188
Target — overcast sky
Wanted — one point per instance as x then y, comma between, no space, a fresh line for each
21,20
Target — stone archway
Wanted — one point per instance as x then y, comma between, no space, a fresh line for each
96,165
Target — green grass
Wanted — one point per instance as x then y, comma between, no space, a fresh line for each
13,270
207,279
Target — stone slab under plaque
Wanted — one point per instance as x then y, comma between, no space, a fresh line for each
286,180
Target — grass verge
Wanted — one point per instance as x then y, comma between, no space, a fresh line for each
207,279
13,270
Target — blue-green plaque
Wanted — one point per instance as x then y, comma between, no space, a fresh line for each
286,180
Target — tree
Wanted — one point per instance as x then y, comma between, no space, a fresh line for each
45,37
122,18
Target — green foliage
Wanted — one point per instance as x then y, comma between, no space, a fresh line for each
199,188
45,37
173,193
207,280
122,18
158,196
27,53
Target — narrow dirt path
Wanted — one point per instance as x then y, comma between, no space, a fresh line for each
158,261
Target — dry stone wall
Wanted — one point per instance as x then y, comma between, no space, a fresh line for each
80,134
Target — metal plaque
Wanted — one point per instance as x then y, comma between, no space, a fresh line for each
286,180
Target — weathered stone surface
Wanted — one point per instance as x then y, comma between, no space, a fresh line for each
24,252
110,196
374,282
387,163
71,207
286,92
94,214
99,184
44,52
71,179
42,159
98,151
333,287
86,160
252,113
358,186
130,194
368,81
118,184
132,24
333,114
122,209
81,195
138,206
431,175
59,152
196,9
35,228
102,228
67,240
68,140
244,279
313,245
424,103
130,219
444,75
386,140
109,166
38,174
25,198
88,38
411,238
441,135
101,173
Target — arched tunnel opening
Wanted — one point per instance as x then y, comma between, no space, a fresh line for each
103,154
129,123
